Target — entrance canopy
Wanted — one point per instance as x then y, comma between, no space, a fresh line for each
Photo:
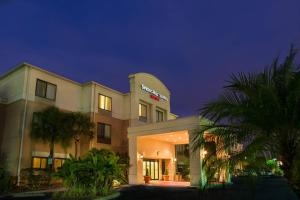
179,124
178,137
152,149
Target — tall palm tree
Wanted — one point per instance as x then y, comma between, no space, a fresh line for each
261,111
50,127
80,126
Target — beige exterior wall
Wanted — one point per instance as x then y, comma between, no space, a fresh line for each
68,93
138,146
158,150
138,95
12,86
11,135
117,101
20,84
119,141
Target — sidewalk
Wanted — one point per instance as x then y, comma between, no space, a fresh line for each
39,193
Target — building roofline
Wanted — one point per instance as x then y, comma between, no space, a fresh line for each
12,70
132,75
103,86
24,64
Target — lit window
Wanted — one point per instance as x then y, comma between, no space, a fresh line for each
45,90
58,162
39,162
159,116
105,102
104,133
142,112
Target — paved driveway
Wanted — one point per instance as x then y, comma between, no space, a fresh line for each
266,188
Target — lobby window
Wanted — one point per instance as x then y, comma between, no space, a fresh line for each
45,90
39,162
159,116
142,112
58,162
104,102
104,133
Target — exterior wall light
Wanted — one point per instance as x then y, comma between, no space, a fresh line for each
175,159
203,153
140,156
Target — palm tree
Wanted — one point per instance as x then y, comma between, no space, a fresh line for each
80,126
261,111
50,127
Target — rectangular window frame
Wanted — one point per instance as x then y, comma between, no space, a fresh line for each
62,160
45,95
159,112
141,117
39,157
100,139
105,97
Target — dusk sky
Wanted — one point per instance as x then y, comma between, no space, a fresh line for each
192,46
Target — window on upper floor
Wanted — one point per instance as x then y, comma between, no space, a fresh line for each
103,133
142,112
105,102
45,90
159,116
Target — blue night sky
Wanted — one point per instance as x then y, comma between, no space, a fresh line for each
192,46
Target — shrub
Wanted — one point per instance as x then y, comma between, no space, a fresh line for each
274,167
124,163
5,183
34,179
92,175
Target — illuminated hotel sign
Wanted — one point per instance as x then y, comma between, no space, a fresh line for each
154,94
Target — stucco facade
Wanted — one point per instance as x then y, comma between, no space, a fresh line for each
140,121
19,101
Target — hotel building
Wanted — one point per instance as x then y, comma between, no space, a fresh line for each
138,123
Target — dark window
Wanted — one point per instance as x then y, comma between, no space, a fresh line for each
34,117
159,116
45,90
142,112
104,133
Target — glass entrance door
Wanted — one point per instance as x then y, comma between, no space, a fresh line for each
152,166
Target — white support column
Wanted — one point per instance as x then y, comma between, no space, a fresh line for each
195,161
132,159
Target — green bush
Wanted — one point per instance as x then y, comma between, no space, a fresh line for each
92,175
74,193
274,167
5,183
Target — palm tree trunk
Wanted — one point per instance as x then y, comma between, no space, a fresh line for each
288,157
76,143
51,155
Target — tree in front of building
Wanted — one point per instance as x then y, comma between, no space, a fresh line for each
80,125
49,126
262,112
